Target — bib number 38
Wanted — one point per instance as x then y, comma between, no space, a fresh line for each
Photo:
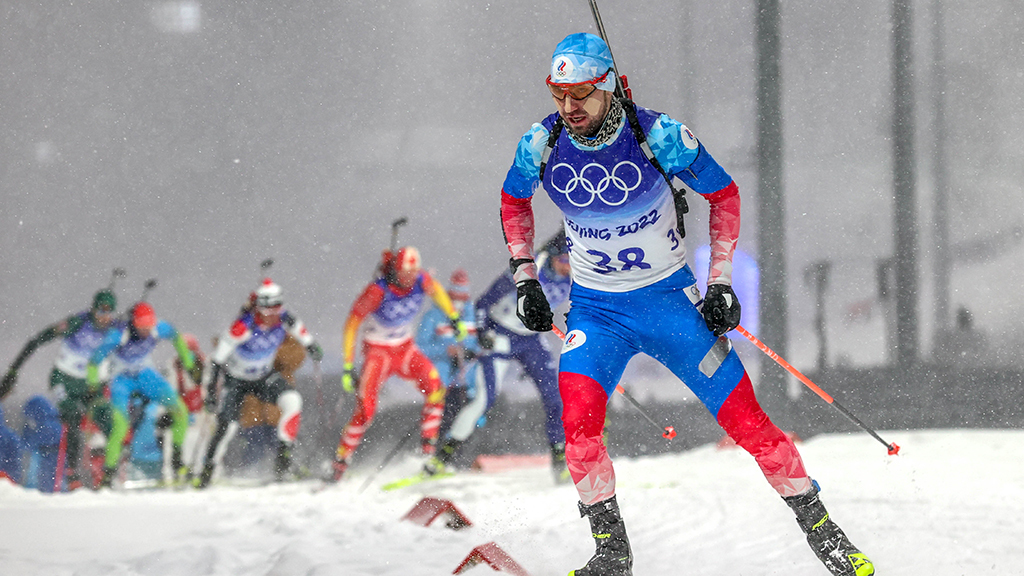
628,259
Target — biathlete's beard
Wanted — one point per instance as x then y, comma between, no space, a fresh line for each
609,125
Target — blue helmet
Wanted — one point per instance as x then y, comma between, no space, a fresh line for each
582,57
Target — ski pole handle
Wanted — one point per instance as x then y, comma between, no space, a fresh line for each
891,446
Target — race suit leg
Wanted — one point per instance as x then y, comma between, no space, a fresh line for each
121,389
378,365
490,368
678,338
593,358
416,366
156,388
227,419
72,404
535,355
275,389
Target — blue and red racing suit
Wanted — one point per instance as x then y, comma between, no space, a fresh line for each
632,289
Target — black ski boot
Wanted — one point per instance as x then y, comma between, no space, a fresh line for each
559,470
283,461
441,461
108,477
203,480
72,481
179,471
613,556
829,543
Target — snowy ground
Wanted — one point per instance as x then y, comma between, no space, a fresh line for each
951,504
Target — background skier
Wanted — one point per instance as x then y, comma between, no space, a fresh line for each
436,337
503,338
389,306
453,359
131,348
607,165
245,353
80,335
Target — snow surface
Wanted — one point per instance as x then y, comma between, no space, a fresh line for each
952,503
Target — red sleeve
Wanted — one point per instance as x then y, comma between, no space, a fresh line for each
724,229
517,224
367,302
238,329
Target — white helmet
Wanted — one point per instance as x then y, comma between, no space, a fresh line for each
269,294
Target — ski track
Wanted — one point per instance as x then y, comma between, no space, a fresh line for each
951,504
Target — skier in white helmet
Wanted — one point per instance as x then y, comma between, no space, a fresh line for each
245,355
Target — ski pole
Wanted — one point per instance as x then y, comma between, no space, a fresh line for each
669,431
114,275
394,231
264,268
893,447
147,288
62,451
668,434
620,88
204,424
387,459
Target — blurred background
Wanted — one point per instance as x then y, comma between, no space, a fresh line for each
188,140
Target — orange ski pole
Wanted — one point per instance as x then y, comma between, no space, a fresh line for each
893,447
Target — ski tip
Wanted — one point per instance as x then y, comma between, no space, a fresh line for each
894,449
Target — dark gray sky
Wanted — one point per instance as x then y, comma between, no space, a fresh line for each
188,141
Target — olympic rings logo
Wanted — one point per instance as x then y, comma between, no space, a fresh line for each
617,178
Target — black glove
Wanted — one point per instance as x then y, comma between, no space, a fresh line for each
485,340
315,352
532,306
721,309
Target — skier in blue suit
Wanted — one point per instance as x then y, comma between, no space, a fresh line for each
503,339
436,337
132,345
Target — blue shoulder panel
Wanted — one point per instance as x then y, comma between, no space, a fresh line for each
681,154
524,175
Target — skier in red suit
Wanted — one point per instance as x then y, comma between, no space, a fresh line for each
387,311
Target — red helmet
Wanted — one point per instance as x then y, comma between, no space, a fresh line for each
407,260
405,266
143,316
458,285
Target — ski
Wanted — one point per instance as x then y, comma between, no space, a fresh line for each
417,478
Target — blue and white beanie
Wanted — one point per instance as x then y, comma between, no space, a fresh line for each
581,57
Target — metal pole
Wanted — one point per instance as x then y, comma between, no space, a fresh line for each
904,184
771,201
